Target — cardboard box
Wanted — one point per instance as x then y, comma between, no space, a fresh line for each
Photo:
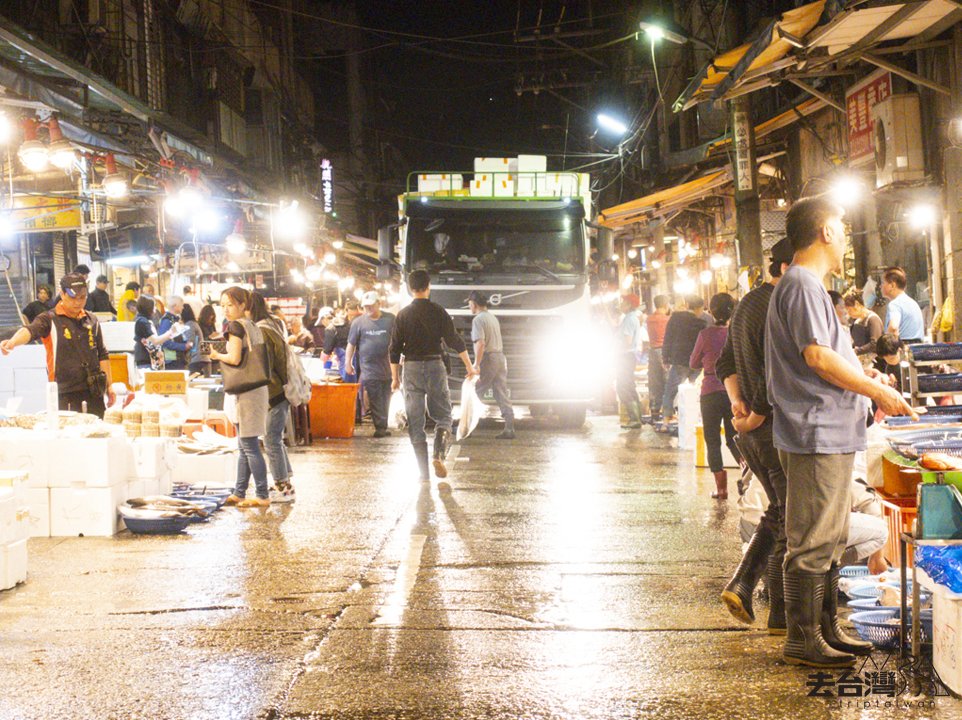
149,458
38,518
165,382
194,469
97,462
13,564
84,510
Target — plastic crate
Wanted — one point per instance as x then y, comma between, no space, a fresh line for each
899,514
940,382
935,351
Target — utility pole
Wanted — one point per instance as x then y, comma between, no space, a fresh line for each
747,207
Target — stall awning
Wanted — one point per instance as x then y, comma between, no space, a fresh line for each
774,42
664,201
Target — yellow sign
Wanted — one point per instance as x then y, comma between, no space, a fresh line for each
170,382
45,214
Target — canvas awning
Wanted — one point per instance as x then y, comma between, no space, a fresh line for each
774,42
664,201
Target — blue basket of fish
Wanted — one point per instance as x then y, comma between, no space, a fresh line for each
882,627
156,525
854,571
940,382
924,419
935,351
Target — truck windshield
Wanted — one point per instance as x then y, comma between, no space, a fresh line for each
496,241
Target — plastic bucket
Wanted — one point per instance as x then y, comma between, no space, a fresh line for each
332,410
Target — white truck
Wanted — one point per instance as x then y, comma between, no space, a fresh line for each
519,234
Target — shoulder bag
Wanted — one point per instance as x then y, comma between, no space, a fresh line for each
254,369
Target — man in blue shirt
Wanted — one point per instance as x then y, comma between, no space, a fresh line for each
629,337
370,336
819,395
904,316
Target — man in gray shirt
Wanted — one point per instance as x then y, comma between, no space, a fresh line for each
370,337
818,392
489,359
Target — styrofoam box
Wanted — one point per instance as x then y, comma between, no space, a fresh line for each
504,186
433,183
532,163
31,402
98,462
6,380
158,486
198,400
136,488
27,451
195,469
13,564
8,516
39,509
85,510
527,185
18,483
482,185
946,631
495,164
26,356
29,380
149,457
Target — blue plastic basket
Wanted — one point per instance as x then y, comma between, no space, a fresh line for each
935,351
924,419
863,604
854,571
940,382
876,627
156,526
874,591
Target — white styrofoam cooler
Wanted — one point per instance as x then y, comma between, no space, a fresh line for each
39,512
13,564
150,458
946,631
98,462
193,469
28,451
84,510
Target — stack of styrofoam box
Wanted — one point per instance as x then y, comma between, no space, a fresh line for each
530,168
482,185
502,172
215,469
14,528
946,631
23,374
150,464
439,183
87,481
29,451
689,414
118,336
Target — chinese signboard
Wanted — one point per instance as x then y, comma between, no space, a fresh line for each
859,101
45,214
327,185
744,172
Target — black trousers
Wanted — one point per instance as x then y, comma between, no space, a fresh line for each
378,401
74,401
716,409
763,461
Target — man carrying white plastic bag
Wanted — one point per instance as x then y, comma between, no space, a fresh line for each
471,408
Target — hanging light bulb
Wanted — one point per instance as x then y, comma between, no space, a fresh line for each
233,266
114,183
236,243
60,152
705,276
338,244
632,253
33,153
330,258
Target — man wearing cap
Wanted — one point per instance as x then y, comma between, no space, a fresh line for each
741,367
418,332
98,300
76,356
489,360
629,338
370,338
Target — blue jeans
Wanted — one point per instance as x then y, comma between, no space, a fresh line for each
274,441
426,385
677,374
250,461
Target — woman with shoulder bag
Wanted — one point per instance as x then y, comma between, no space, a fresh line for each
198,361
148,354
248,380
278,406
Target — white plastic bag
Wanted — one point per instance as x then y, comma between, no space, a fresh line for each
471,408
397,417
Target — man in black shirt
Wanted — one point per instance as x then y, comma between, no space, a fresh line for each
77,359
741,367
681,334
98,300
417,335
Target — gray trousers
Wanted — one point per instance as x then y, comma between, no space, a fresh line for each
817,510
656,381
493,375
426,388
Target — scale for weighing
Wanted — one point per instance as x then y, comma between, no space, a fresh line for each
939,510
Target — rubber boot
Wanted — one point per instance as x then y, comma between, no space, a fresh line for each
508,432
804,644
440,451
832,631
421,453
634,416
721,485
776,594
738,593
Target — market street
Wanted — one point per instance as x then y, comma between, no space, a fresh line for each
569,574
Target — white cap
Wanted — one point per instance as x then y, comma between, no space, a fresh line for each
369,298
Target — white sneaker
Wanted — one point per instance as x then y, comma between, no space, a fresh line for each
287,495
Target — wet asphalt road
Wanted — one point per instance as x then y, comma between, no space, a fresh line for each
569,574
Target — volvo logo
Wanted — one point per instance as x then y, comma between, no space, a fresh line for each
495,300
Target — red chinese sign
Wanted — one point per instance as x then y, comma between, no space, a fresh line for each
859,101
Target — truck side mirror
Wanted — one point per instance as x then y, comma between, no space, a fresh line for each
384,272
385,243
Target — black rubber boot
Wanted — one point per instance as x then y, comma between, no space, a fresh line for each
508,432
421,453
440,451
776,594
738,594
633,410
804,644
832,631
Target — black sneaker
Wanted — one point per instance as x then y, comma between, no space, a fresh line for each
382,433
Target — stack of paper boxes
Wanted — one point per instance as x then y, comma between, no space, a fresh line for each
23,374
14,528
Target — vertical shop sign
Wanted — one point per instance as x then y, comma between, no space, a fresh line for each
327,185
859,101
743,151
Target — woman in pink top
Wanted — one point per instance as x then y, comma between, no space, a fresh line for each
716,408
